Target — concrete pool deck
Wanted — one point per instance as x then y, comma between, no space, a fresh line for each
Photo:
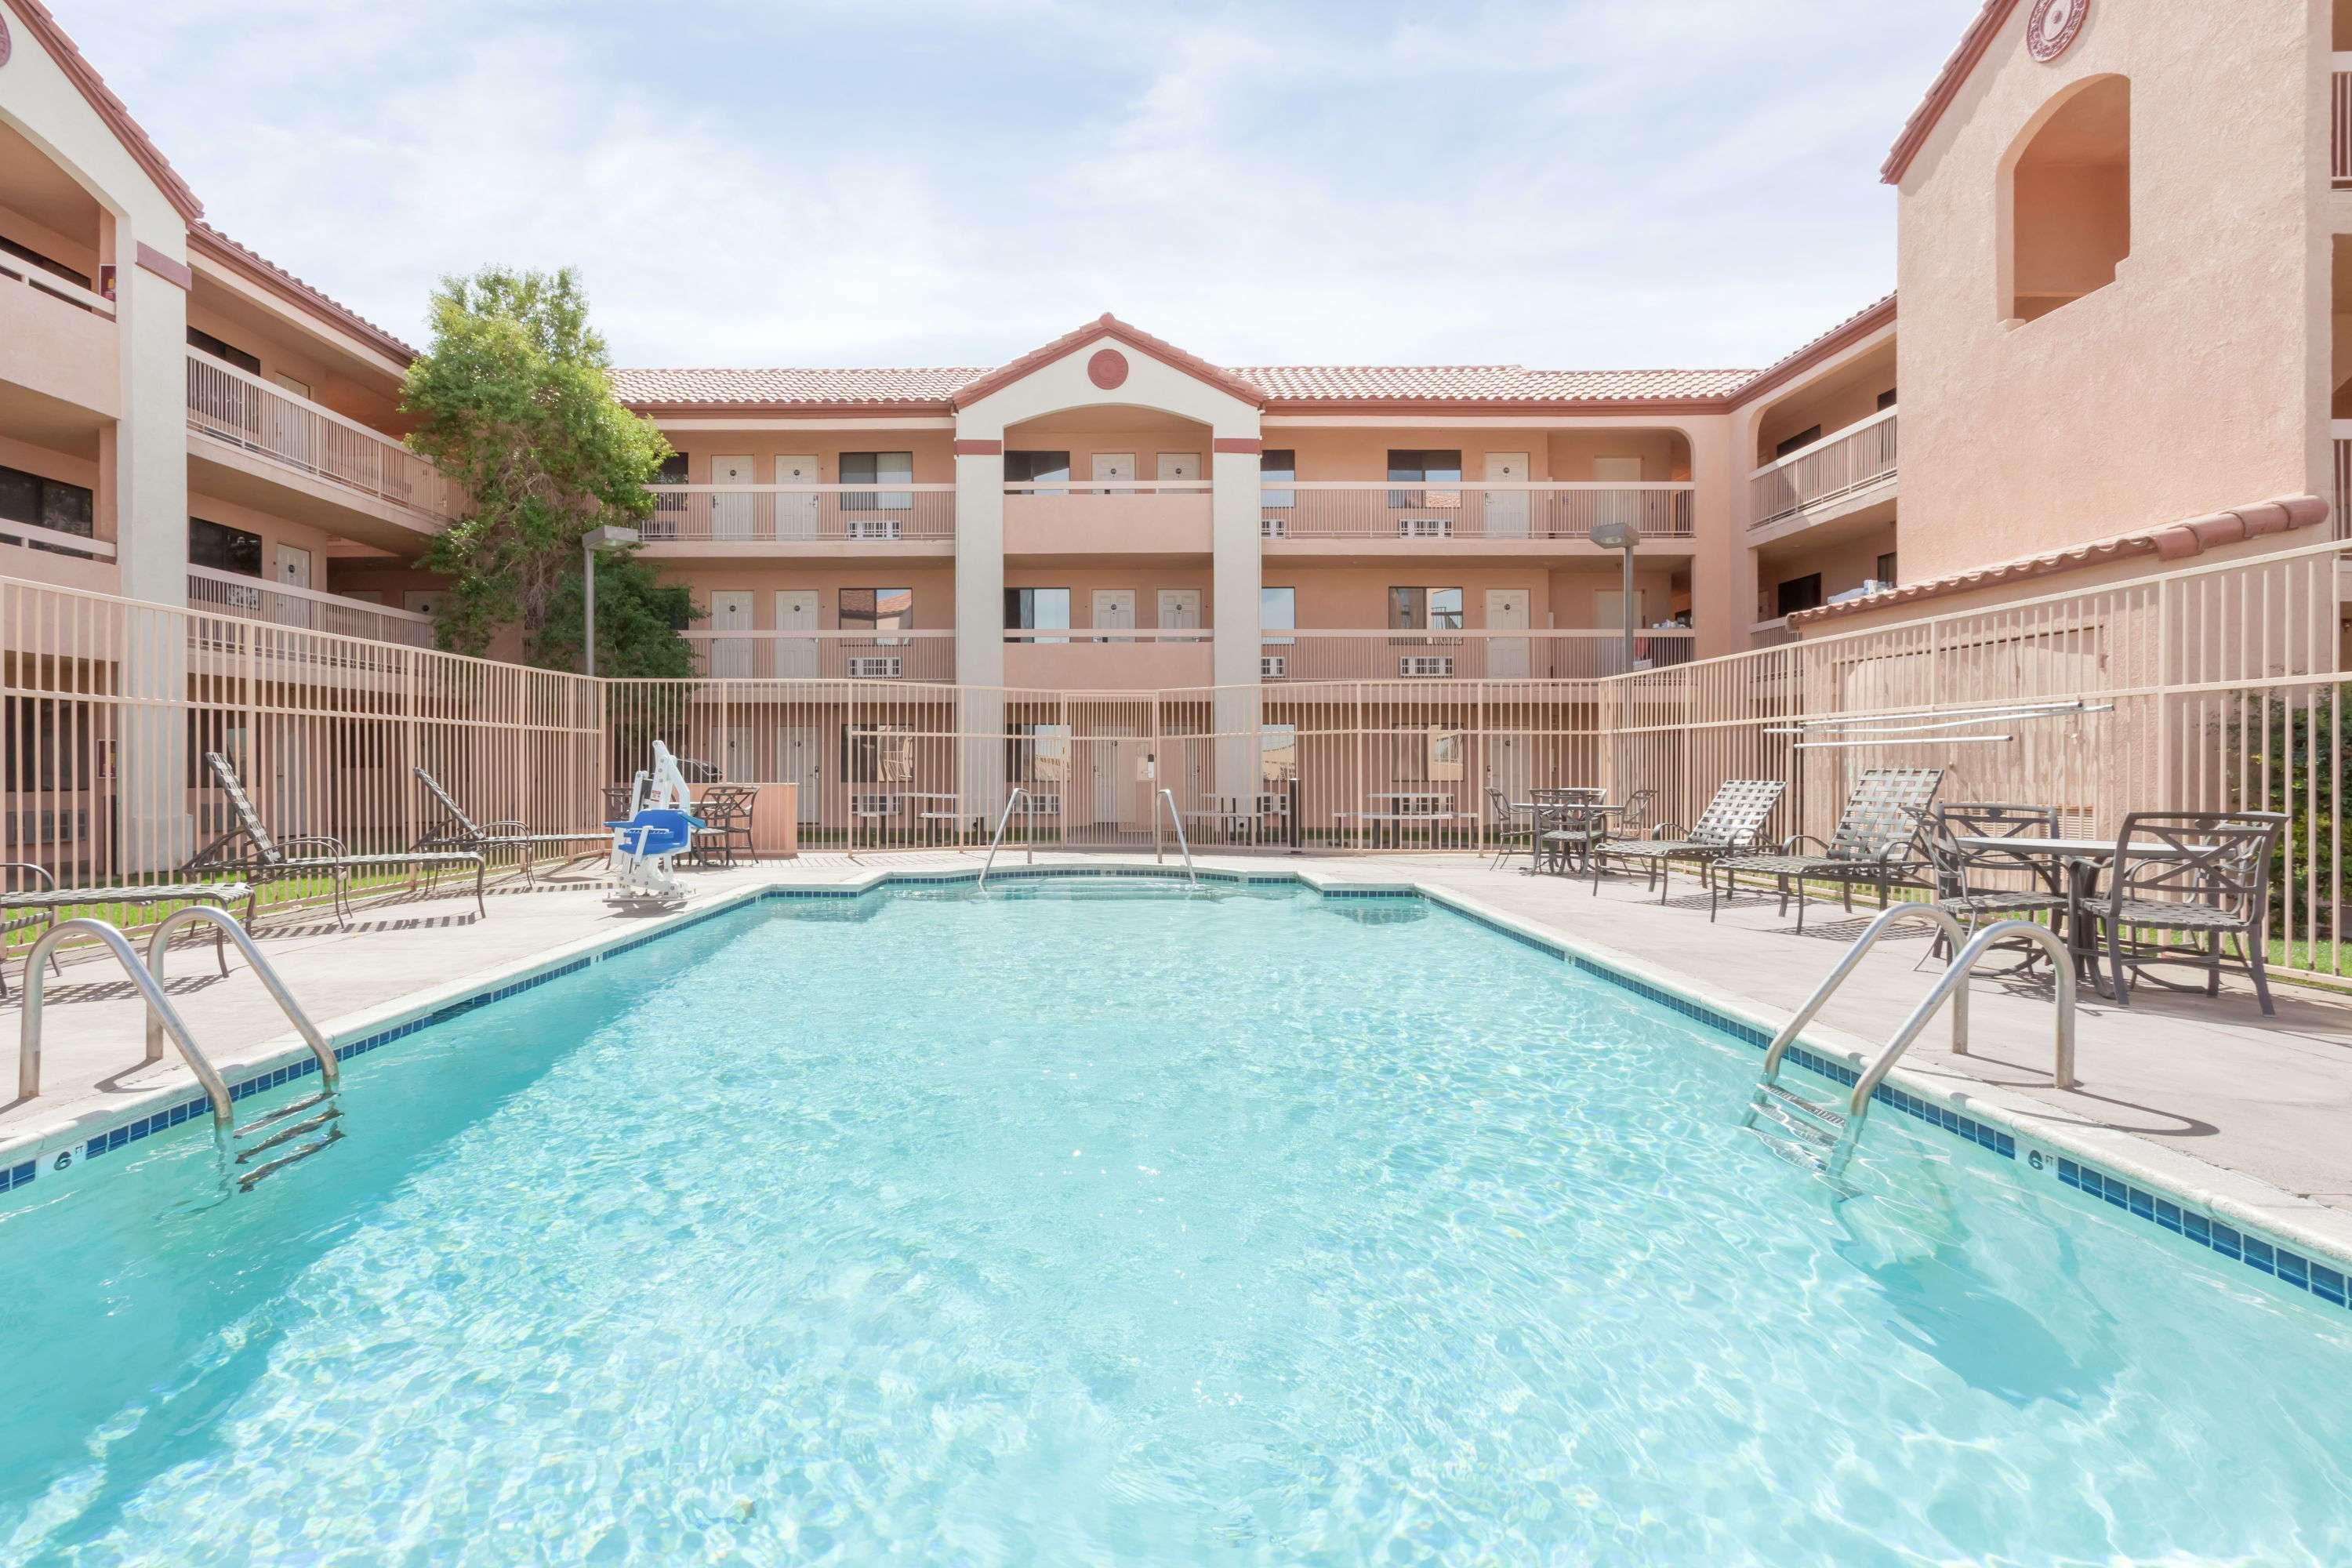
2204,1096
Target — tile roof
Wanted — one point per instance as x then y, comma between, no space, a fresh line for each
92,87
1963,59
275,277
2175,541
716,387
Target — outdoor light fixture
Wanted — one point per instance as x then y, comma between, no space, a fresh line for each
1621,536
613,538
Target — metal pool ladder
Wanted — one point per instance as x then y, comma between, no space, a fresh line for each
1167,798
277,1128
1015,798
1821,1136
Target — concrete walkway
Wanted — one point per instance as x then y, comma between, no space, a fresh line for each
2204,1095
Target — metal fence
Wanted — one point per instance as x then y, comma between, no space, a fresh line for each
2216,687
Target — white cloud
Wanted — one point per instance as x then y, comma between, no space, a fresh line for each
1602,183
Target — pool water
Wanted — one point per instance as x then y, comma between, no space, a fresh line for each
1087,1224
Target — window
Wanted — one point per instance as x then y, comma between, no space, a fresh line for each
1885,573
198,339
1037,753
1277,753
47,503
878,610
53,746
54,268
1798,442
673,472
1801,593
1418,468
2070,201
1039,469
1276,466
1037,609
877,753
1886,400
1426,609
1277,611
224,549
879,468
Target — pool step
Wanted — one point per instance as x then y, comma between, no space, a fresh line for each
1825,1116
1802,1131
287,1133
283,1111
244,1182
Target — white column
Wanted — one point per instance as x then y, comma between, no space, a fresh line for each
149,479
979,615
1237,574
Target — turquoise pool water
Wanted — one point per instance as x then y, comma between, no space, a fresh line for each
1088,1224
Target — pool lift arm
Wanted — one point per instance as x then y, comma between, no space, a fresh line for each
660,828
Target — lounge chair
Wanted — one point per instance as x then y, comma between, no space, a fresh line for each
21,909
250,851
1876,841
1727,827
459,831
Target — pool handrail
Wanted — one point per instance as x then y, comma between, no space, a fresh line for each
1168,796
1942,918
1953,983
163,1018
1015,798
227,924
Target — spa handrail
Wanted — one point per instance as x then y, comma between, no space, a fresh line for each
1015,798
1168,796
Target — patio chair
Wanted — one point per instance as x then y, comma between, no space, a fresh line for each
458,831
22,908
1728,826
1573,835
726,813
1514,826
1963,887
252,853
1876,841
2204,875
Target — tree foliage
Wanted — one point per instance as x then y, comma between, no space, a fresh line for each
514,402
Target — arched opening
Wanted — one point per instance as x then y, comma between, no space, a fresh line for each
2070,207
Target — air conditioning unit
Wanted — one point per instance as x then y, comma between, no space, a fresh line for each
874,527
876,666
1424,664
872,806
1424,528
1274,667
1273,527
1040,805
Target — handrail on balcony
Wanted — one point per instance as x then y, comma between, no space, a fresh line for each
1839,464
49,283
233,405
1816,449
2339,120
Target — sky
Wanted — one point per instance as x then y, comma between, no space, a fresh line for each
1578,184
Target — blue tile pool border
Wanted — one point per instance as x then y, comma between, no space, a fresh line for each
2295,1264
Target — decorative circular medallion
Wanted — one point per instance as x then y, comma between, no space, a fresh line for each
2050,31
3,40
1107,369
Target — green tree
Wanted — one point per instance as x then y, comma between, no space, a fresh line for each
514,402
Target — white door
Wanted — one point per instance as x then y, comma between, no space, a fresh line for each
732,516
1115,611
1114,758
1507,510
1179,609
1180,465
1506,611
796,612
736,756
796,764
796,515
1114,466
1618,506
730,610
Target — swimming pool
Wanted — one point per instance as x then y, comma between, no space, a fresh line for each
1094,1222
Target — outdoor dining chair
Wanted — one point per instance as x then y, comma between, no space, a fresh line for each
1977,883
2202,878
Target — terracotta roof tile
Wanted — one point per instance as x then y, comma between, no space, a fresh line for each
687,387
270,274
111,109
1945,88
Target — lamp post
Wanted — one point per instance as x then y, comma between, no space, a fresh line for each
1621,536
613,538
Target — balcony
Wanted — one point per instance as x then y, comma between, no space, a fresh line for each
1100,517
283,604
1498,513
1583,654
1084,661
58,338
823,656
252,431
708,520
1837,474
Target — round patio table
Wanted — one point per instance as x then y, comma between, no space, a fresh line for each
2071,868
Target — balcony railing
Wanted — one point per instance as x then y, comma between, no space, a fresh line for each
2339,128
284,605
824,656
1581,655
1325,509
229,405
785,514
1852,460
2340,452
1106,636
23,274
